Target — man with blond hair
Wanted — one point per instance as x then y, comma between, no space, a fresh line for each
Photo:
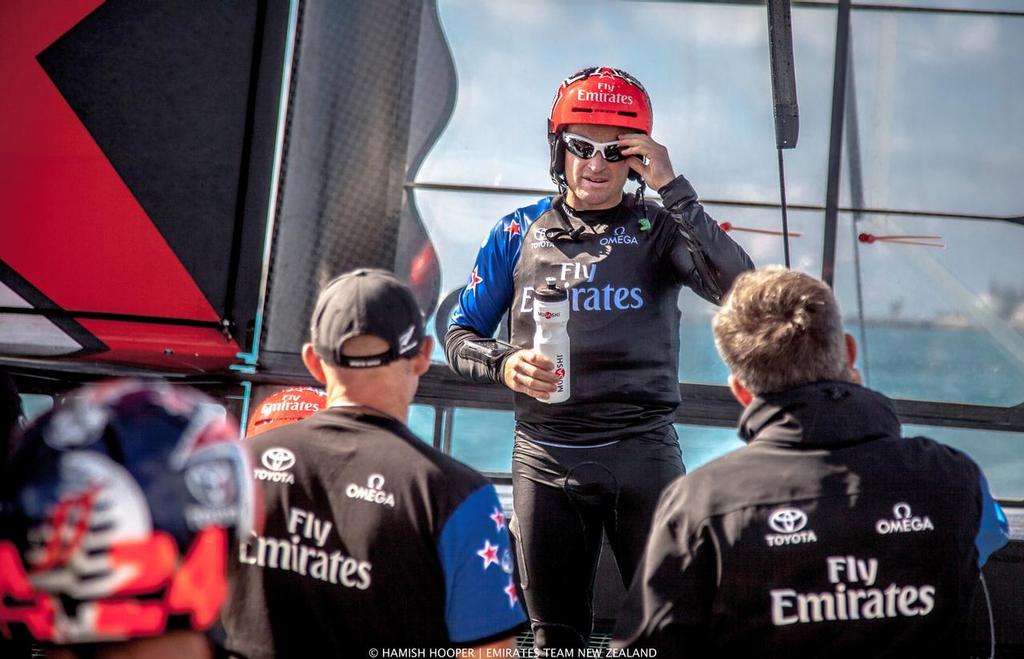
828,534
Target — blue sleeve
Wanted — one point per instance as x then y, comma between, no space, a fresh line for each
491,287
993,531
481,599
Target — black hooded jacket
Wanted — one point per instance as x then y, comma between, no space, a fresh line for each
828,535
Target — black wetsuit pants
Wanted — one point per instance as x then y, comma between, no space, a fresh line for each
563,497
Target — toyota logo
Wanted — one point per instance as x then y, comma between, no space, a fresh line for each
787,520
277,459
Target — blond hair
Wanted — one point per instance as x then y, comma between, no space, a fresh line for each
779,329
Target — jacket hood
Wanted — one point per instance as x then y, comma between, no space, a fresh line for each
828,413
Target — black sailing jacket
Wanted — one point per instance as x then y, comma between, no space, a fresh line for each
623,269
828,535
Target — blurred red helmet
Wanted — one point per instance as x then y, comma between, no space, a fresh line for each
284,407
601,95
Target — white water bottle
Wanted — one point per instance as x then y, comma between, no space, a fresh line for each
551,316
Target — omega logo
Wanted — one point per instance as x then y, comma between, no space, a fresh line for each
903,521
619,237
373,492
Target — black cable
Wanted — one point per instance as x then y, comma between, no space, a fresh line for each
866,372
782,197
856,180
991,619
709,201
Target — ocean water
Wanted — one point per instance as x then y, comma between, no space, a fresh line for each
910,362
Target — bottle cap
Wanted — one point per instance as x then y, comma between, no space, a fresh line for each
551,291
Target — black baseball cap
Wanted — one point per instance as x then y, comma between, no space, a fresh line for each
366,302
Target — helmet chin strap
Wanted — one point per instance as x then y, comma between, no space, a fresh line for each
557,167
563,185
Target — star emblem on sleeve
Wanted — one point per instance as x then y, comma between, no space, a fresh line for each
499,519
514,229
489,553
474,280
510,590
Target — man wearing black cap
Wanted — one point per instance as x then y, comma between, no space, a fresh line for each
373,539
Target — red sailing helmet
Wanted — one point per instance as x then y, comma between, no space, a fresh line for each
284,407
116,509
596,95
601,95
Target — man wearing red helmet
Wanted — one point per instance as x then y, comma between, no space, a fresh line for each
599,460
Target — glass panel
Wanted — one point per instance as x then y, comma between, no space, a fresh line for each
725,126
940,109
805,240
936,324
511,56
32,405
457,222
421,422
483,439
1000,454
970,5
702,444
698,359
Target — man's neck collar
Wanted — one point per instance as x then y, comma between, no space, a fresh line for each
569,203
341,401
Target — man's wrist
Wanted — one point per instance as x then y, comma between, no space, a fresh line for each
665,180
678,190
500,374
490,353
